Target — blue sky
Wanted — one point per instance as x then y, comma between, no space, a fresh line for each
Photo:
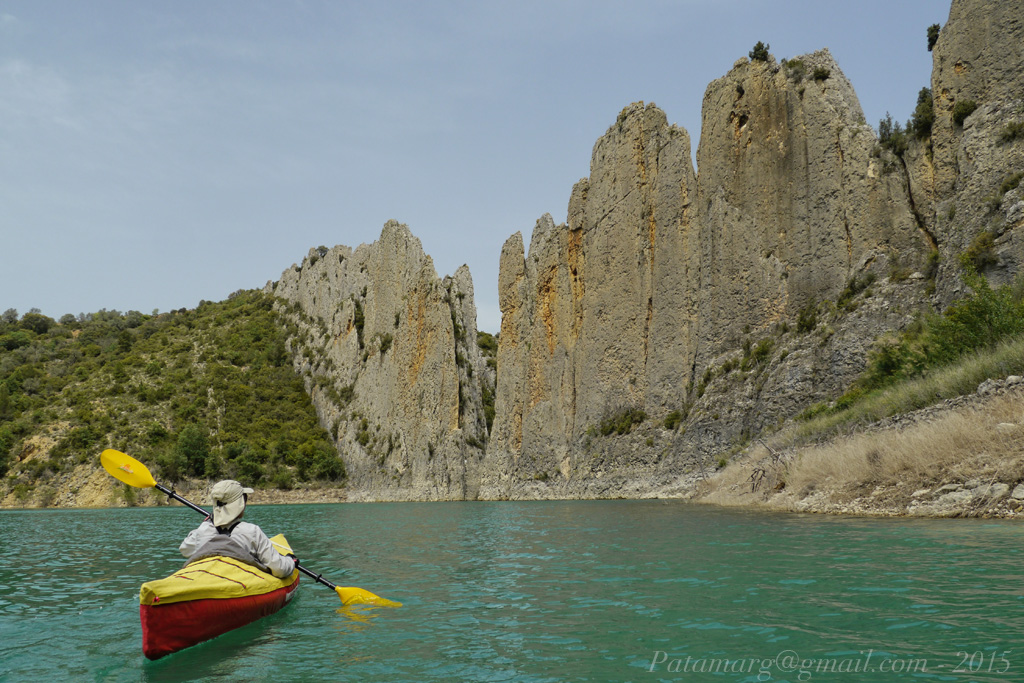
155,154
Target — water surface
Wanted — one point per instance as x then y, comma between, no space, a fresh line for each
538,591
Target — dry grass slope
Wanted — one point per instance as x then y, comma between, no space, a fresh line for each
894,469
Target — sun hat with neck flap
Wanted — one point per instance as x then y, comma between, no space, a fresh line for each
228,500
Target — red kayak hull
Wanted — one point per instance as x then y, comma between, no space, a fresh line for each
167,628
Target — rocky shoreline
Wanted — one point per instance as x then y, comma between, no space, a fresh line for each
969,490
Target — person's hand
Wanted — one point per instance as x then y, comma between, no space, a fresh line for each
292,555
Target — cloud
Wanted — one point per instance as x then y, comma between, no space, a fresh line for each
32,93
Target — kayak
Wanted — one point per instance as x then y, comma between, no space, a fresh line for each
207,598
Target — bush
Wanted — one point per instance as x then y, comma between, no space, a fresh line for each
891,135
283,479
250,469
213,467
995,200
673,419
795,69
920,124
385,343
487,342
760,52
762,352
855,286
1010,183
327,465
171,466
15,340
808,318
933,36
36,322
984,319
962,109
193,450
821,74
622,422
1013,131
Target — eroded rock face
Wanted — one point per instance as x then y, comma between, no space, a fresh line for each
633,314
390,358
979,68
598,318
675,316
979,57
793,202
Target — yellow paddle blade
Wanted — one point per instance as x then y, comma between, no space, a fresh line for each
127,469
350,595
280,544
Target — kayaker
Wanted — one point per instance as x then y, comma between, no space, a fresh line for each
228,535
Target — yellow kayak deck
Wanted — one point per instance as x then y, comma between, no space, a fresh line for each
214,577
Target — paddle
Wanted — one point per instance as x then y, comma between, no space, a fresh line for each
127,469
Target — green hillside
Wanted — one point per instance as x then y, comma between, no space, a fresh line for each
202,393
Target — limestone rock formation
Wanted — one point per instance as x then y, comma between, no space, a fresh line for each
598,318
389,354
793,202
978,91
979,58
619,316
675,316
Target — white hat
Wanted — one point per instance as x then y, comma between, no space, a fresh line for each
228,501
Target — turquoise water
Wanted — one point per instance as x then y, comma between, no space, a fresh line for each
542,591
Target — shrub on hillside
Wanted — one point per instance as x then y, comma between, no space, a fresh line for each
808,318
327,465
193,449
982,320
487,342
622,422
1013,131
795,69
920,124
962,109
891,135
981,253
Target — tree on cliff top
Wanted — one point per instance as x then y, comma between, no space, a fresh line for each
760,52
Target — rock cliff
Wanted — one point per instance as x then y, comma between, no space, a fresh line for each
390,358
977,138
598,320
793,203
676,315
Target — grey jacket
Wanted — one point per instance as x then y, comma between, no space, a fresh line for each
247,536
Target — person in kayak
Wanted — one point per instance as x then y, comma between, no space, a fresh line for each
228,535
